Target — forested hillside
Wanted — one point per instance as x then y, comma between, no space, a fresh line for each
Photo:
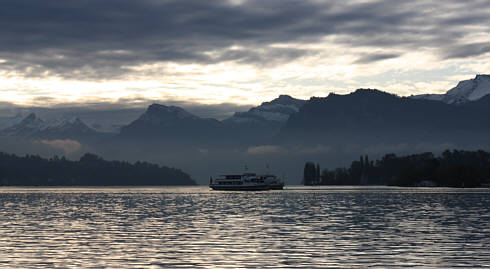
455,168
90,170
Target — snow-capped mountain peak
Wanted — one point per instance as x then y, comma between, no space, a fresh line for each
64,125
60,127
465,91
471,90
32,119
277,110
62,121
29,125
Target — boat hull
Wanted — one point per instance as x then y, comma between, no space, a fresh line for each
276,187
240,188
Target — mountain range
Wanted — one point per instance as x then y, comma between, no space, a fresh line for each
370,117
285,131
365,116
34,127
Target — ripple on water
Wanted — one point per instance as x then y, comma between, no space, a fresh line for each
184,227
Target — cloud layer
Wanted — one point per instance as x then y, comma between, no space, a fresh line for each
178,49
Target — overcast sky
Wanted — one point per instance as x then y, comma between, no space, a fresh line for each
235,51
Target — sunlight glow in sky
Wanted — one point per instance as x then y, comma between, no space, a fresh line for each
241,52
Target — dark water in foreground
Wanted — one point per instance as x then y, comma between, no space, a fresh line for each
194,227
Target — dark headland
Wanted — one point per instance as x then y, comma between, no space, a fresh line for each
90,170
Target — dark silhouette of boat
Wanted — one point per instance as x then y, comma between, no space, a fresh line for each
246,182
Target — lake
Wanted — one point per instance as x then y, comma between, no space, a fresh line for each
299,227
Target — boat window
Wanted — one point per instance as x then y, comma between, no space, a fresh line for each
233,176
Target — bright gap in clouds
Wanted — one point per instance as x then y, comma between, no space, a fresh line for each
246,84
241,52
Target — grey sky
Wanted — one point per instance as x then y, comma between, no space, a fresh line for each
150,40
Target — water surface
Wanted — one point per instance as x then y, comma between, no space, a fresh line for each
300,227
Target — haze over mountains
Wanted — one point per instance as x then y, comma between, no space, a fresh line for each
283,132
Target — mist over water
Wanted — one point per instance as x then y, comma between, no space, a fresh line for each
192,226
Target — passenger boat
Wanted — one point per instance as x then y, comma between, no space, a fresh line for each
274,182
246,182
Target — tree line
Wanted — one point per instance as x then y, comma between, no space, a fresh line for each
90,170
456,168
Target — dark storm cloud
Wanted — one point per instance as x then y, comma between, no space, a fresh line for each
370,58
264,56
99,39
464,51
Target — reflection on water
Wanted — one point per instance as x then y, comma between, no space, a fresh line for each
195,227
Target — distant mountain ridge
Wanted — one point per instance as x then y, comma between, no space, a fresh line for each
26,127
32,126
169,122
371,116
465,91
160,122
363,116
261,123
71,128
277,110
